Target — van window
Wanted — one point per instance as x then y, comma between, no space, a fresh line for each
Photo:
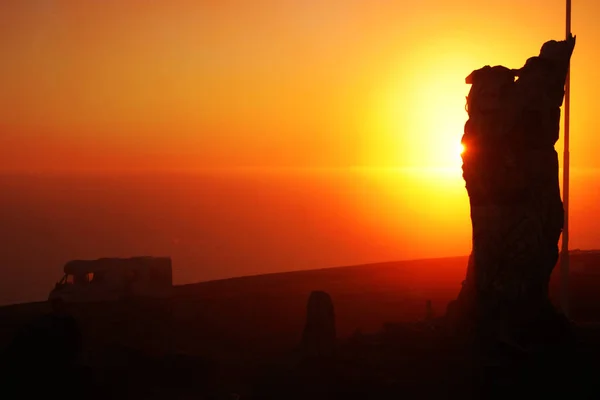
97,277
81,279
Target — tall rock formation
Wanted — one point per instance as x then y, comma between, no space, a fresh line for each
510,168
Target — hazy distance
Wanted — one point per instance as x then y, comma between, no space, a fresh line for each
231,223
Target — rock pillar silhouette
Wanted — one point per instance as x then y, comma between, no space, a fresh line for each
510,168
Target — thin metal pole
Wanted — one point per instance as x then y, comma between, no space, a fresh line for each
564,258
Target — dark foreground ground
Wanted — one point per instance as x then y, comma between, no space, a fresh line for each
239,339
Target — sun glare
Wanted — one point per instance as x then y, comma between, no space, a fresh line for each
418,121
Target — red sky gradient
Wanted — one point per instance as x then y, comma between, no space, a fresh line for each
369,88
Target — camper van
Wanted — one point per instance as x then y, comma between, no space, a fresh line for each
110,279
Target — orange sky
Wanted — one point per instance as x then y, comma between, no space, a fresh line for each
189,84
220,84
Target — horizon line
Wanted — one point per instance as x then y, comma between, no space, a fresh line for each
253,169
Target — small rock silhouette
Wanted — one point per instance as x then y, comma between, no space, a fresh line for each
318,338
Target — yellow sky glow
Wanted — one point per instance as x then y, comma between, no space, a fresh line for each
183,84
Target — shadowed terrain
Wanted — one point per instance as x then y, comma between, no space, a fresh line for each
237,327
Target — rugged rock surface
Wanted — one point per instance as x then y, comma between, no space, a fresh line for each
510,168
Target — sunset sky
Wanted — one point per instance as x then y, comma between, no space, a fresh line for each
119,84
320,133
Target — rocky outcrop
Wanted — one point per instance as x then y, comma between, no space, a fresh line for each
318,338
510,168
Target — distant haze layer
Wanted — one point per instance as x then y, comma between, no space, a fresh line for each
241,222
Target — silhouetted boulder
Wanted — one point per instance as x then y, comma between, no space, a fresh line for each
318,338
44,351
510,169
429,314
